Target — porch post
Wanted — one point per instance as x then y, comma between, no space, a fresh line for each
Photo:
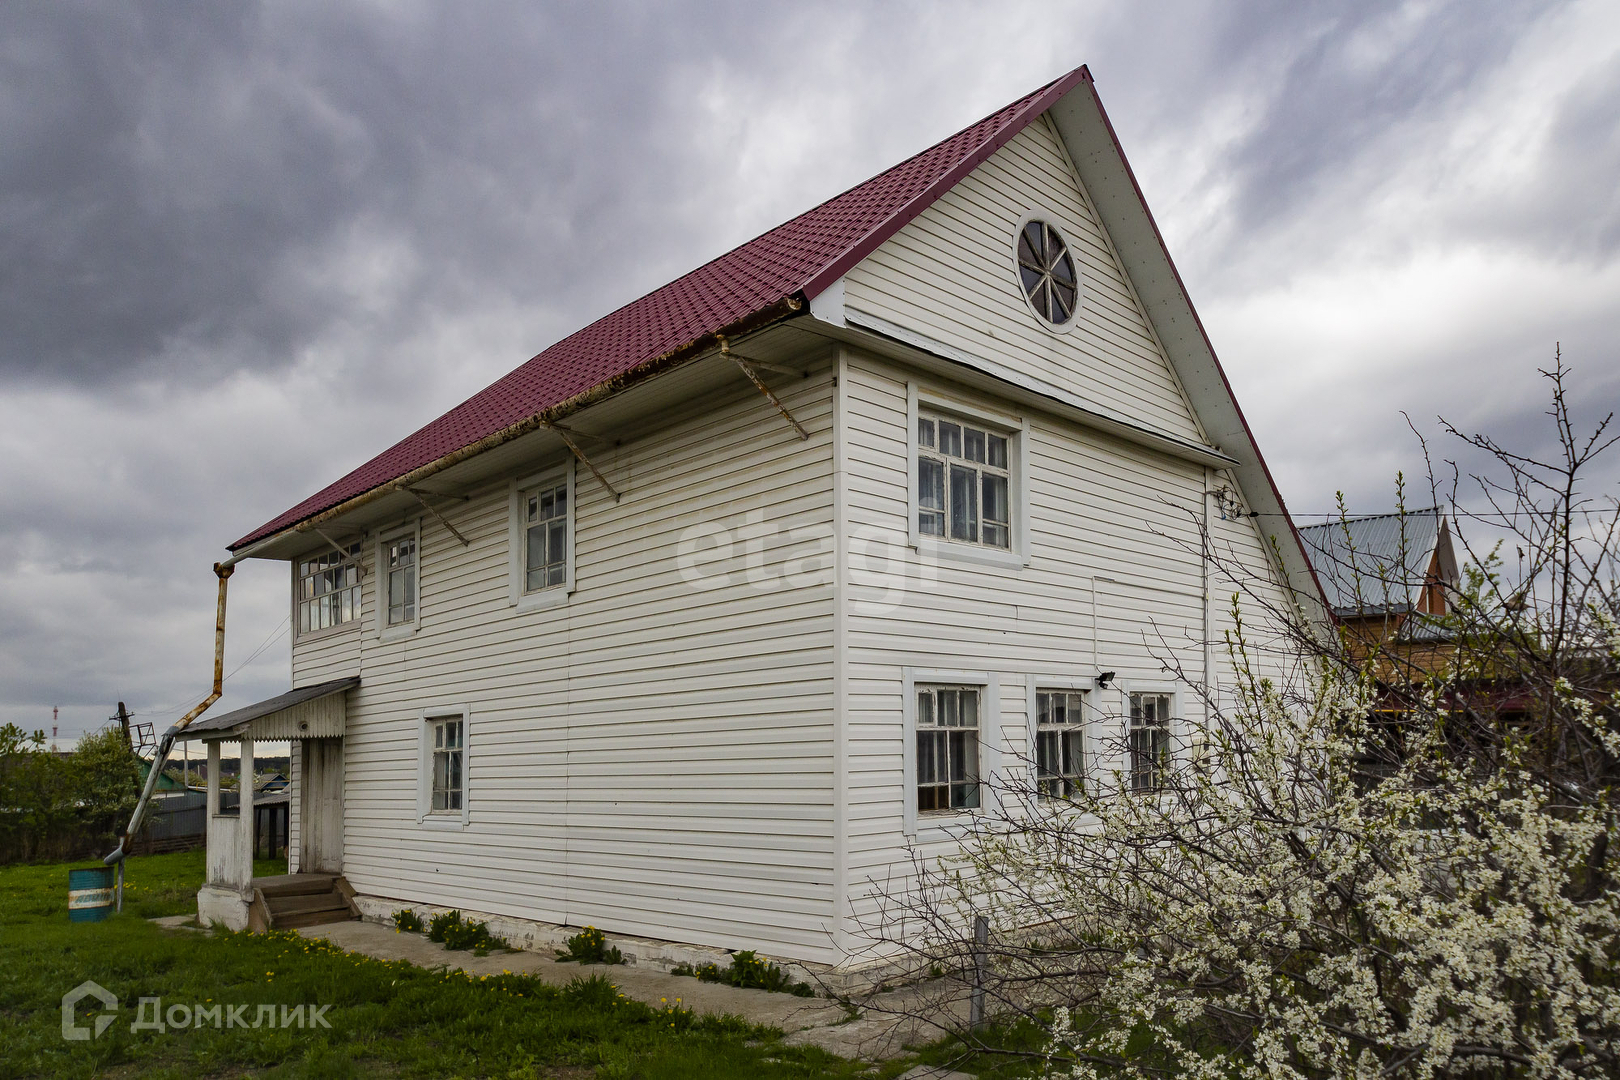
213,782
245,821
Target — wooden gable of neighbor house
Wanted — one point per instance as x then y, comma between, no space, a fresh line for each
950,275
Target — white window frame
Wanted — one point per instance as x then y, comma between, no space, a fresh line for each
360,595
1172,727
1088,723
426,816
517,547
938,824
920,399
396,631
1068,232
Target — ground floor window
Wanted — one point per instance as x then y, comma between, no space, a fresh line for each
1149,739
441,792
947,748
447,748
1059,743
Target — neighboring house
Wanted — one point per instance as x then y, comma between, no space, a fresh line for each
1388,579
696,624
168,779
269,782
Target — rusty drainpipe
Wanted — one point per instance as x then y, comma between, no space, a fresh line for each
223,570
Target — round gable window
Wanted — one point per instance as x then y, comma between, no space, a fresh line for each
1046,271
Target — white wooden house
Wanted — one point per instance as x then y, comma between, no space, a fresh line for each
651,633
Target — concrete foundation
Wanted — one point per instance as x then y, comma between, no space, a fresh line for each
647,953
220,906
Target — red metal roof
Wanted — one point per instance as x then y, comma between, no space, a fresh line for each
799,258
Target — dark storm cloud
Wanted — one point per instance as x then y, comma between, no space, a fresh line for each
1346,77
182,183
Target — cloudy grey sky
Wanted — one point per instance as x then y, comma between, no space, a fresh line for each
243,247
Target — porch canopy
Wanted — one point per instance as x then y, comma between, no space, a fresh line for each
316,716
308,712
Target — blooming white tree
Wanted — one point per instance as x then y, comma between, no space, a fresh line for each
1387,867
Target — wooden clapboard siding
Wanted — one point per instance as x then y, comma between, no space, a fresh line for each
1112,525
950,275
648,758
724,767
332,654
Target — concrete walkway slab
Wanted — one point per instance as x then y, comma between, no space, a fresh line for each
642,984
885,1032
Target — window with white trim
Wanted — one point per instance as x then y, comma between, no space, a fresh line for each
1060,743
544,513
1148,740
446,789
399,560
328,589
964,481
948,756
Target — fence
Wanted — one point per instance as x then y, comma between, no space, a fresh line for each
178,821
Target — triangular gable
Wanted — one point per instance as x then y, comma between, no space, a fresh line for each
1088,136
950,276
773,276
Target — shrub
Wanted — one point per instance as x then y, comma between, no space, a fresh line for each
589,947
406,919
449,928
64,806
749,971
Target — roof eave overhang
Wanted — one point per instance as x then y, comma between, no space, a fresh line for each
785,308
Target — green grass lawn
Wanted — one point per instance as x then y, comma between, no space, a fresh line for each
387,1018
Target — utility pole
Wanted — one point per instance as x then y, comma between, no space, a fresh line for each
123,720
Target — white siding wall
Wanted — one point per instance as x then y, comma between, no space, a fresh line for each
1099,509
950,274
648,758
330,654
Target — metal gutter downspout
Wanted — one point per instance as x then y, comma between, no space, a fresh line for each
223,571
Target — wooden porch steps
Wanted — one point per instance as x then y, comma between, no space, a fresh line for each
290,901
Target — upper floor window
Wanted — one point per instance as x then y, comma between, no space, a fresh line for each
1148,736
545,524
1059,743
963,482
401,561
328,589
541,541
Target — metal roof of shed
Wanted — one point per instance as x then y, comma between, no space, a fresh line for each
1374,565
241,718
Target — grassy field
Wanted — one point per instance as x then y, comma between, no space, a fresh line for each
387,1019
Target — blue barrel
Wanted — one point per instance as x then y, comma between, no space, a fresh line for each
90,894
